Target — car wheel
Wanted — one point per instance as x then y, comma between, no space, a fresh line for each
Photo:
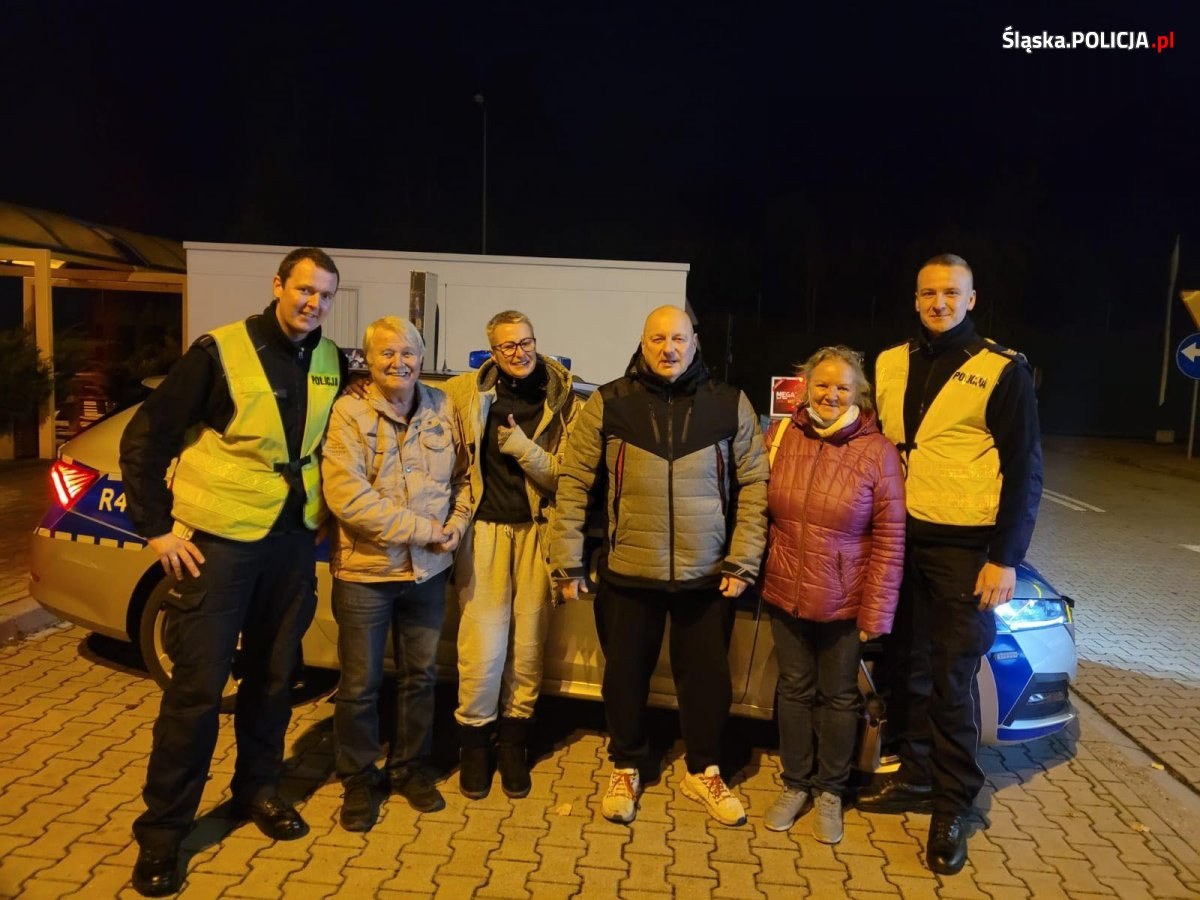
153,647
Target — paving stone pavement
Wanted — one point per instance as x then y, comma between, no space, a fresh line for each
1080,815
1137,587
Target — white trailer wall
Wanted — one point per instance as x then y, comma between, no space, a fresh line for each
589,310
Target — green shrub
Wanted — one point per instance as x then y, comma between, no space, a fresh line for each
26,378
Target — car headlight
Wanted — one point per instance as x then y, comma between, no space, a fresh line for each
1036,612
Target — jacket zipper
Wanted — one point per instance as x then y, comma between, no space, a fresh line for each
924,399
925,391
910,439
654,421
812,473
618,487
671,483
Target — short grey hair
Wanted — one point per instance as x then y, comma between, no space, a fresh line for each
508,317
949,260
853,359
394,325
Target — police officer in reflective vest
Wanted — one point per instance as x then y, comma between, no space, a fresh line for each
962,411
244,410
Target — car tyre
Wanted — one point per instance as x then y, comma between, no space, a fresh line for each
153,648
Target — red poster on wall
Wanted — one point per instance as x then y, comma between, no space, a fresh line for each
787,393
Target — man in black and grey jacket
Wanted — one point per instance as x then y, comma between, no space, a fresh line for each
686,517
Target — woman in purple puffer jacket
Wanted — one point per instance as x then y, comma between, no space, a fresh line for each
834,562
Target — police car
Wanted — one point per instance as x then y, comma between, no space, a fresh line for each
90,568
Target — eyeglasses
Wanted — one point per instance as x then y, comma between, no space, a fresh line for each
510,348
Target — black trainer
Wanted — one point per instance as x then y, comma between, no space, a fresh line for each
416,786
358,801
946,849
512,758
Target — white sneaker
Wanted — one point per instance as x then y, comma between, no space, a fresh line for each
827,828
710,789
787,806
620,800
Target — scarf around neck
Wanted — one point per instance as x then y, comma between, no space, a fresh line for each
824,429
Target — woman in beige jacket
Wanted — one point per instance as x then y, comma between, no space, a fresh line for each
395,479
514,415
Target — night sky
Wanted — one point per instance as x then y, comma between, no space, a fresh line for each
804,162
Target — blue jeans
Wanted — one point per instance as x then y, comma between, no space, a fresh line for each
265,592
817,699
366,613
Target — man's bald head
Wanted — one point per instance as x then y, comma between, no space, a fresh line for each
668,342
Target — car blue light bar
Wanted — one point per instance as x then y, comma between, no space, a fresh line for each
477,358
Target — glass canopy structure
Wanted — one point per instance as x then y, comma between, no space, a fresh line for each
50,250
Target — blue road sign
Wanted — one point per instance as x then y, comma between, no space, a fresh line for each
1187,357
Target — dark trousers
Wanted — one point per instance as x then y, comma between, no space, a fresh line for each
817,699
936,644
367,614
265,592
631,623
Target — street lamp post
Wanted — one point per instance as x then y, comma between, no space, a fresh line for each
483,197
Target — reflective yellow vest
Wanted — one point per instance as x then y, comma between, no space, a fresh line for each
953,468
232,484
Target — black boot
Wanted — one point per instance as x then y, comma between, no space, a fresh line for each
512,758
946,849
475,767
156,872
894,793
